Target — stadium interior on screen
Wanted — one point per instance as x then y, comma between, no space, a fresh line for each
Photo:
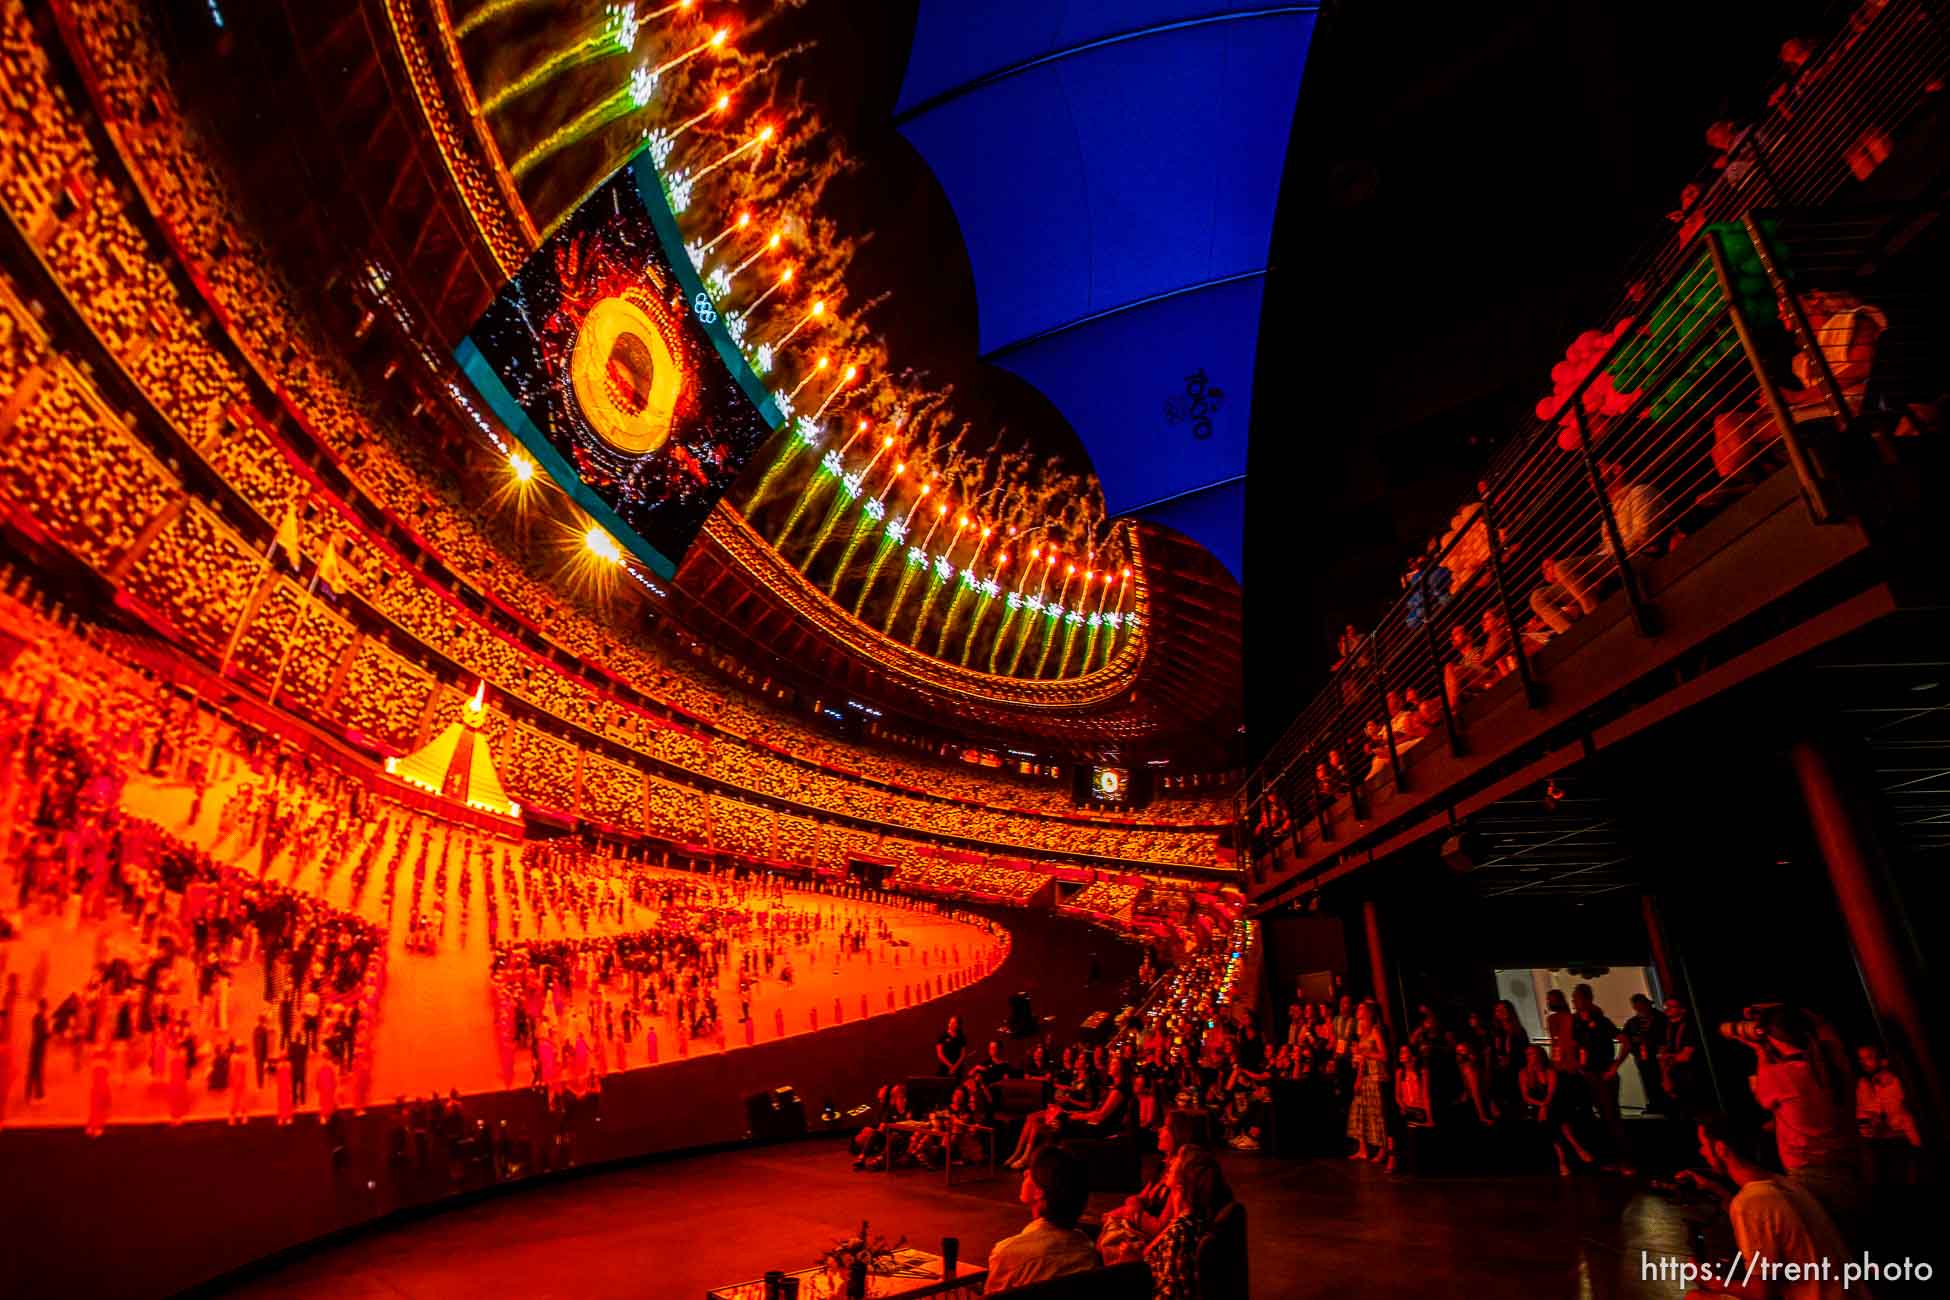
608,359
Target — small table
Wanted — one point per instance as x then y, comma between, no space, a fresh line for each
985,1134
919,1275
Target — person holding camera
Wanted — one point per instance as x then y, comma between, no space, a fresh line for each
1802,1080
1644,1034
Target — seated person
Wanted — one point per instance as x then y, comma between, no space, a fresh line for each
1404,721
1145,1214
1468,674
993,1066
1054,1187
1427,710
1846,329
1773,1218
1572,583
1101,1120
870,1142
1198,1192
952,1134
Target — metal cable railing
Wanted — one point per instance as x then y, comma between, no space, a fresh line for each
1684,410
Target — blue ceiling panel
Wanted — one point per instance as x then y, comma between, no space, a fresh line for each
1165,389
1115,167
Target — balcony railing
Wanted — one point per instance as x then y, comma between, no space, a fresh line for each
1758,340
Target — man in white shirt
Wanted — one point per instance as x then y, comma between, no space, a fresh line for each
1789,1248
1054,1187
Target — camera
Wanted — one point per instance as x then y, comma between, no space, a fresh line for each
1751,1028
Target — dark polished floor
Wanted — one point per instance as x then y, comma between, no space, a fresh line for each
1319,1228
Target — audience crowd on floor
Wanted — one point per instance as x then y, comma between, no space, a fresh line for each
1084,1115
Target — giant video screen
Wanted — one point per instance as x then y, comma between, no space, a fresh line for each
609,360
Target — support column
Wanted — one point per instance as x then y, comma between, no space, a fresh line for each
1881,947
1384,991
1655,933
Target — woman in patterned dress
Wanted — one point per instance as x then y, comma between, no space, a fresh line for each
1367,1118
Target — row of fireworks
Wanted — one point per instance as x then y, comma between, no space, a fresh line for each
722,259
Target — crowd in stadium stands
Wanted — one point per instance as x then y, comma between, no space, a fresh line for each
933,874
304,642
114,274
1106,897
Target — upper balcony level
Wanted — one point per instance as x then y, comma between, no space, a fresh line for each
1729,474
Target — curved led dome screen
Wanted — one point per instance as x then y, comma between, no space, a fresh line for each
620,371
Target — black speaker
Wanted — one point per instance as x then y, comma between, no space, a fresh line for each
1096,1028
776,1115
1022,1017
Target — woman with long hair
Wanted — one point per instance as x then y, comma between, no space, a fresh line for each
1508,1043
1102,1119
1367,1118
1146,1212
1198,1193
1543,1088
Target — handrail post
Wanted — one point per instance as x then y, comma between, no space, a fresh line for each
1803,332
1350,693
1813,495
1322,804
1442,687
1641,616
1845,415
1387,719
1751,139
1531,696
